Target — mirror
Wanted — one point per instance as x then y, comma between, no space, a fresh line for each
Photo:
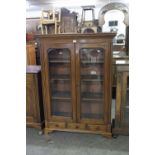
114,17
114,23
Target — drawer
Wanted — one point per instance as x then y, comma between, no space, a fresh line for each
76,126
57,125
96,127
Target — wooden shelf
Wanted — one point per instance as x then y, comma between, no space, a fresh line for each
61,95
60,98
60,76
87,101
66,114
91,115
59,61
93,80
91,96
89,76
92,99
59,79
89,62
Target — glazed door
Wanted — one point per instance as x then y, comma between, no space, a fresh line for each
122,101
61,82
125,100
91,83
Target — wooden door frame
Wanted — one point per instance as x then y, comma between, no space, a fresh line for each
106,46
46,85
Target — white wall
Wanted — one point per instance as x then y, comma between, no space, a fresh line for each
33,14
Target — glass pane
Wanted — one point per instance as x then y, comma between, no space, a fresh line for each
60,81
61,107
91,85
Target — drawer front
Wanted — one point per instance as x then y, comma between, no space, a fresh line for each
96,127
57,125
76,126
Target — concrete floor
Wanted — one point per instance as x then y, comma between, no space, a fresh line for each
65,143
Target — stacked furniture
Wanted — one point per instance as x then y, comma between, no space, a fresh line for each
69,22
49,18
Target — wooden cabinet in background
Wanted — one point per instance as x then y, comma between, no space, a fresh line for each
77,81
119,47
34,105
118,61
30,54
121,123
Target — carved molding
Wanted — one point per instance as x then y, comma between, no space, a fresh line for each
114,6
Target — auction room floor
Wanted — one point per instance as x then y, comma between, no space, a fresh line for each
66,143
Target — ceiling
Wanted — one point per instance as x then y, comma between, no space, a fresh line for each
45,4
